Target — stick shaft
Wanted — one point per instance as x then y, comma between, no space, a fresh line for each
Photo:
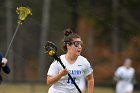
12,40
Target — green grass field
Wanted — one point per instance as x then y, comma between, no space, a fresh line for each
40,88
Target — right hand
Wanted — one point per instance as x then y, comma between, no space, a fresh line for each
64,72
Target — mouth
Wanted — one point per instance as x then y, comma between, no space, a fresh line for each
79,51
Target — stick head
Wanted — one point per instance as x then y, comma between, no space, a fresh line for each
50,48
23,13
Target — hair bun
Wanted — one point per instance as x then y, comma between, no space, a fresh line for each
68,31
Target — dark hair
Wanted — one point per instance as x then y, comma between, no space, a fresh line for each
69,35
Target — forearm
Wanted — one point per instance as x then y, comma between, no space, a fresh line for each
90,86
6,69
90,80
51,80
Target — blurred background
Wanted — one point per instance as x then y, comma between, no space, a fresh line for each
110,30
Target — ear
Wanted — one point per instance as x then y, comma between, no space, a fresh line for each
68,46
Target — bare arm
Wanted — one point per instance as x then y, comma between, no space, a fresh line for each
51,80
90,81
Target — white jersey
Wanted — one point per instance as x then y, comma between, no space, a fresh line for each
76,70
82,84
126,76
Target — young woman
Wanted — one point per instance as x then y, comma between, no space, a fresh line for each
125,76
3,66
76,65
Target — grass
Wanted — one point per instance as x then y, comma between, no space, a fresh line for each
40,88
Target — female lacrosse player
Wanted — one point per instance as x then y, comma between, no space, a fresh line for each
125,77
76,65
3,66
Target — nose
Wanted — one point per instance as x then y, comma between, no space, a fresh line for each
79,46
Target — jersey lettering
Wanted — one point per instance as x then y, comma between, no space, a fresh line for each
70,81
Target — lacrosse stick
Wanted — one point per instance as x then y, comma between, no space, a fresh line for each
23,13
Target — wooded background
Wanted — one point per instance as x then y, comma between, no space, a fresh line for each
110,30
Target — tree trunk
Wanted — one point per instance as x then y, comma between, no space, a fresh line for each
43,38
9,28
74,14
115,30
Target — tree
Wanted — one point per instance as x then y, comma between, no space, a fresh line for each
9,28
43,36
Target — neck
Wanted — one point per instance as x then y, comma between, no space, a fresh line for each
71,58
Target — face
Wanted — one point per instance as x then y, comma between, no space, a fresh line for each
127,63
75,47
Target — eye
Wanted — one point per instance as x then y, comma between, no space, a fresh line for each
77,43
